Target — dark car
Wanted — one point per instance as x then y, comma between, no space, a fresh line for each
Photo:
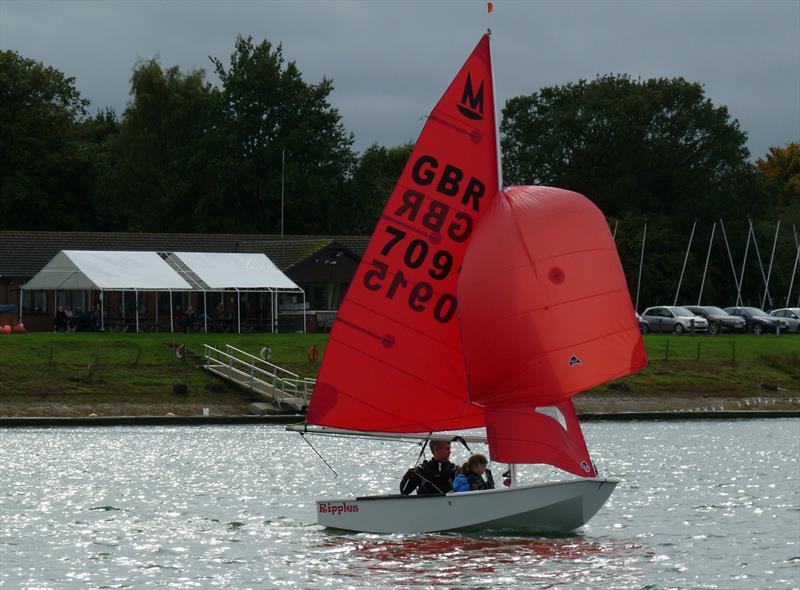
758,320
719,320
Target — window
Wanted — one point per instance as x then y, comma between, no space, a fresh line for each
73,300
129,303
34,301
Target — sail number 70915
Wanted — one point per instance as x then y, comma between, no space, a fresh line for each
420,294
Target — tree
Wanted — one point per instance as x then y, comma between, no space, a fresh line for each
656,149
268,111
781,170
158,162
98,134
373,179
45,170
647,146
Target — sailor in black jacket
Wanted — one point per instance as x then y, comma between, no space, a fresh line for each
434,476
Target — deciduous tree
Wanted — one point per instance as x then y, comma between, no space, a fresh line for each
45,171
268,110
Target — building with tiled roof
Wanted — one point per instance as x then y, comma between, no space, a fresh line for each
322,265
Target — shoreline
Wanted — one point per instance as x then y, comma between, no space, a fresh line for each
108,421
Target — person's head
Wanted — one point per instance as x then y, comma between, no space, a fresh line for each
476,463
440,449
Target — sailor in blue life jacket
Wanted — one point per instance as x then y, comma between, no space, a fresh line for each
434,476
471,476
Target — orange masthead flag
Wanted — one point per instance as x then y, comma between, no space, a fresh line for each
489,6
394,362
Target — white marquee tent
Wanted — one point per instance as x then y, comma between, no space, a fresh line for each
164,271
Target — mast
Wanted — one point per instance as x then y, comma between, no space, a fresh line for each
496,118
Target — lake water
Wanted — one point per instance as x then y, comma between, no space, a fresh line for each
701,505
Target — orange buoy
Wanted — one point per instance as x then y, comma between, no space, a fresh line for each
19,328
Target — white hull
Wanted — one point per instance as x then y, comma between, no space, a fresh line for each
549,507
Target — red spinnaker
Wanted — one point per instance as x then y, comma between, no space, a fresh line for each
563,321
551,435
394,362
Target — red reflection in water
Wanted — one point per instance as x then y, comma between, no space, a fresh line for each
457,554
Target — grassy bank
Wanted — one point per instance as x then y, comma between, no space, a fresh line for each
46,374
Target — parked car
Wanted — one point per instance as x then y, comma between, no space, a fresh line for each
642,323
671,318
719,320
758,320
790,315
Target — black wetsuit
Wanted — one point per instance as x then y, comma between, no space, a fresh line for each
432,477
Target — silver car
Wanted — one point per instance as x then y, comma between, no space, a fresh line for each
672,318
790,315
718,319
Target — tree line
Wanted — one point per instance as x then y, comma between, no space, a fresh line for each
186,155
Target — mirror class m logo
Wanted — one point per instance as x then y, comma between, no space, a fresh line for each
471,105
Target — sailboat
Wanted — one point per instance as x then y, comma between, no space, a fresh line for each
477,307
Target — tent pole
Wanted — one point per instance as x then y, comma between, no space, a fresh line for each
102,312
685,258
205,312
20,304
136,308
272,320
705,268
238,312
304,312
171,314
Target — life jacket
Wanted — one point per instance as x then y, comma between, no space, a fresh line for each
476,482
432,477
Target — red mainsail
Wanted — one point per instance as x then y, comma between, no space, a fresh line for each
394,361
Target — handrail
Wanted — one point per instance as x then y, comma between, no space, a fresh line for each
291,385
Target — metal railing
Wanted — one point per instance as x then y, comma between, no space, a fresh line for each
255,373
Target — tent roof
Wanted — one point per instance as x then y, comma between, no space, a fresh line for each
219,270
151,271
110,270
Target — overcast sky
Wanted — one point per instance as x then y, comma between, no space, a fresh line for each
390,61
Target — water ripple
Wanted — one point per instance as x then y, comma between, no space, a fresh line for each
701,505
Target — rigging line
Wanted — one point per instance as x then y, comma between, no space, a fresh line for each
422,450
303,436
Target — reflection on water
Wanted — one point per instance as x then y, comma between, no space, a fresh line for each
439,560
701,505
